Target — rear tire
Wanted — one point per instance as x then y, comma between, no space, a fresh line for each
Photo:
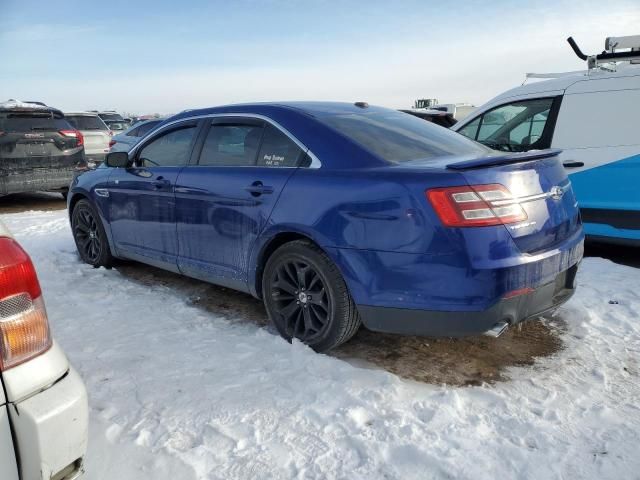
89,235
307,298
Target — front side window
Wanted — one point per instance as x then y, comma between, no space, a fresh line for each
278,150
171,149
231,145
399,137
142,130
518,126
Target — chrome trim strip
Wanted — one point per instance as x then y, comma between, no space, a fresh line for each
315,161
528,198
101,192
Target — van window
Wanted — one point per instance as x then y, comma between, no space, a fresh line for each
515,127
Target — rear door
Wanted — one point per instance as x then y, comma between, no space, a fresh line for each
142,198
224,202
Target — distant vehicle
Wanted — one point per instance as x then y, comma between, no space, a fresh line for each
337,214
444,119
117,126
593,117
39,149
44,414
109,116
127,139
96,133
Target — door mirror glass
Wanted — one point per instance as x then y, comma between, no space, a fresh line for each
117,159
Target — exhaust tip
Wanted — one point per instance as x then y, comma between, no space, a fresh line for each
497,330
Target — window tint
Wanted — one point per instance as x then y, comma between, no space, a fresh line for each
231,145
27,121
169,150
278,150
146,128
86,122
134,132
399,137
513,127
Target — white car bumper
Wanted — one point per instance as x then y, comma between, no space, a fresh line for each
51,429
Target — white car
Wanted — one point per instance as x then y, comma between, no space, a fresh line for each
43,403
96,133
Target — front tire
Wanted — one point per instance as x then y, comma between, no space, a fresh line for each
89,235
306,297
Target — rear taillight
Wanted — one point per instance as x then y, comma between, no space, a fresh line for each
112,143
74,134
24,329
475,205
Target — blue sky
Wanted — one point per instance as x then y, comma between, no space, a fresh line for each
164,56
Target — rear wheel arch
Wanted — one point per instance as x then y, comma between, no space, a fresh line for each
269,248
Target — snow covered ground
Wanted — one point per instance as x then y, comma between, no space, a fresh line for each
179,393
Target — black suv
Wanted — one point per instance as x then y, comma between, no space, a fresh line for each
39,149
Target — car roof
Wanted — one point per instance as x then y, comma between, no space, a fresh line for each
18,106
86,114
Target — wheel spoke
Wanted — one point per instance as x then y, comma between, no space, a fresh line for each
299,299
285,285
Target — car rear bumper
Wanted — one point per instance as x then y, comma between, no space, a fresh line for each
51,429
35,180
512,310
95,158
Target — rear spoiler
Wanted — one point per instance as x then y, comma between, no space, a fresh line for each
504,159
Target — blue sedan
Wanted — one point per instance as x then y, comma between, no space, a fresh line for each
338,215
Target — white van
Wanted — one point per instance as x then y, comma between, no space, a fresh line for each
594,118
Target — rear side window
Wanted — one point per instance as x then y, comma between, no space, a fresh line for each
278,150
400,137
233,144
28,121
170,149
133,133
86,122
517,126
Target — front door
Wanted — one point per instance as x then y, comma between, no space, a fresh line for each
142,198
224,201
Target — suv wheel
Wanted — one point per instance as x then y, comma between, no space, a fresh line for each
306,297
89,235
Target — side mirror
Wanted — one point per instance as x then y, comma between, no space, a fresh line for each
117,159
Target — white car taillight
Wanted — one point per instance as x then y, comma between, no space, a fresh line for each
24,329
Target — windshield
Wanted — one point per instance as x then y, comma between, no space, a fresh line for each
86,122
28,121
399,137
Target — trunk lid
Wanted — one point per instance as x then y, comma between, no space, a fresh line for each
539,184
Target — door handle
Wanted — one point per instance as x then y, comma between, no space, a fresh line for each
257,188
572,164
160,183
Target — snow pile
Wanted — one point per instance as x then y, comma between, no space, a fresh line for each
176,392
11,104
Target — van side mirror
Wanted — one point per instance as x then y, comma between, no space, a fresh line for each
117,159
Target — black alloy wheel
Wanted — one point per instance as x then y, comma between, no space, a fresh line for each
89,235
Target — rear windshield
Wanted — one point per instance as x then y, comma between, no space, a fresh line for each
117,125
86,122
28,121
111,116
399,137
